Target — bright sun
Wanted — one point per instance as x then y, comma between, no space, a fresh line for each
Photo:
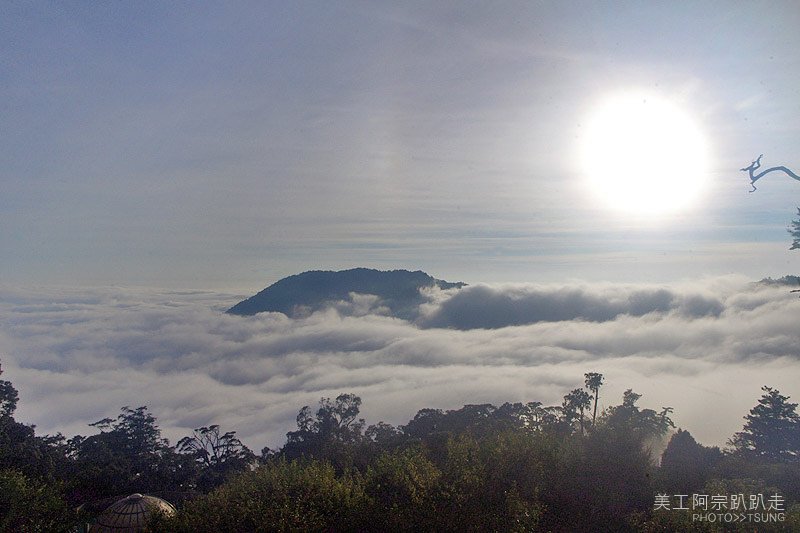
643,155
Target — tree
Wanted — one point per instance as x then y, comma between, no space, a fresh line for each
426,422
32,505
216,454
644,423
136,430
593,383
329,434
8,398
794,231
794,228
685,464
12,433
607,477
128,455
478,488
278,496
772,430
574,404
383,435
20,449
402,486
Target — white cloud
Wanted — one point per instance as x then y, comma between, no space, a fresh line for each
79,355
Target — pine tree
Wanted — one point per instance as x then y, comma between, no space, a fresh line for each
772,430
794,231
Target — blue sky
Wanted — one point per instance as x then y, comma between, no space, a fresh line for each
228,145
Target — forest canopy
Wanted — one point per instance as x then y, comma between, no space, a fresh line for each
513,467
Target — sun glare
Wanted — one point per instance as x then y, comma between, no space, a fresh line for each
643,155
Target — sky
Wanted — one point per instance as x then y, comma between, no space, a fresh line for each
161,159
232,145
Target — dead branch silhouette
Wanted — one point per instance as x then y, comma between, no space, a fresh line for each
755,165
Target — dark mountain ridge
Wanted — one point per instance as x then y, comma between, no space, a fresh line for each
398,290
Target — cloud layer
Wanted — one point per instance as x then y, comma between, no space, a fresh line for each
79,355
484,306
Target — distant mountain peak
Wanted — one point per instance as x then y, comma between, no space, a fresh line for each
785,280
398,291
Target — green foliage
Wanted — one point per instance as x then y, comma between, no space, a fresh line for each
28,505
128,455
281,496
461,484
513,472
402,488
483,468
794,231
463,475
516,467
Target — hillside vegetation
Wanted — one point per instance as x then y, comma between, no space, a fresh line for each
513,467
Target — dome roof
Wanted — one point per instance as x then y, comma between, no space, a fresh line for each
130,515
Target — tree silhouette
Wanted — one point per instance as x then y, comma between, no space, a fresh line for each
574,404
21,450
212,448
755,165
772,431
128,455
593,383
685,464
333,433
8,397
794,228
642,422
218,454
794,231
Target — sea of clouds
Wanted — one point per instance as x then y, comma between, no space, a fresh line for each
705,349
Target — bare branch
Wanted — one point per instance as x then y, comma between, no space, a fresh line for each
755,165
